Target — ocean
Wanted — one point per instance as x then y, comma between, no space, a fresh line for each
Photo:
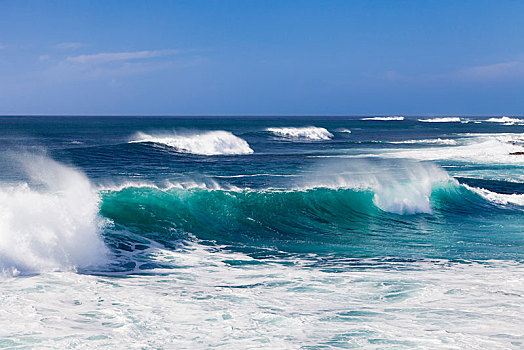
290,232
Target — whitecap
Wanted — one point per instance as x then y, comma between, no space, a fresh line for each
441,120
506,120
203,143
384,118
305,133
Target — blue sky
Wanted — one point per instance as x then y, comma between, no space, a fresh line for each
262,57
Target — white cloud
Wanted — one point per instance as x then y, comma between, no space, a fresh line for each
106,57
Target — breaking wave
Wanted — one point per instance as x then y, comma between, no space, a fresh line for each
506,120
202,143
51,221
499,198
305,133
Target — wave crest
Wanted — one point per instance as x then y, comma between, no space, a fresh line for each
308,133
499,198
402,187
208,143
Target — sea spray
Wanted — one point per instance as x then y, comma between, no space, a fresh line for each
49,222
401,187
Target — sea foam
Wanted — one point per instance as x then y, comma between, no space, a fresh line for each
430,141
480,148
50,222
207,143
441,120
384,118
305,133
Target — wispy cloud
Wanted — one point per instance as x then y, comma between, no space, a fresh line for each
70,46
106,57
103,65
497,71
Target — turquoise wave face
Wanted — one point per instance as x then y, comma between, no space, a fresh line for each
335,222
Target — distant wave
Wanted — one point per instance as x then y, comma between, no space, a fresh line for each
306,133
499,198
50,224
441,120
203,143
481,148
431,141
506,120
343,130
384,118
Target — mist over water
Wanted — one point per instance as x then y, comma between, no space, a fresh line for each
280,233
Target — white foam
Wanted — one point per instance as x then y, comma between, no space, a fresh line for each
478,148
384,118
203,143
506,120
499,198
441,120
343,130
51,223
403,187
436,141
206,302
306,133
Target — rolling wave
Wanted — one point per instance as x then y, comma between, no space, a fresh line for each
312,133
202,143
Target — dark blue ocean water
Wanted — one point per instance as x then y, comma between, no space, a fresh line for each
151,196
